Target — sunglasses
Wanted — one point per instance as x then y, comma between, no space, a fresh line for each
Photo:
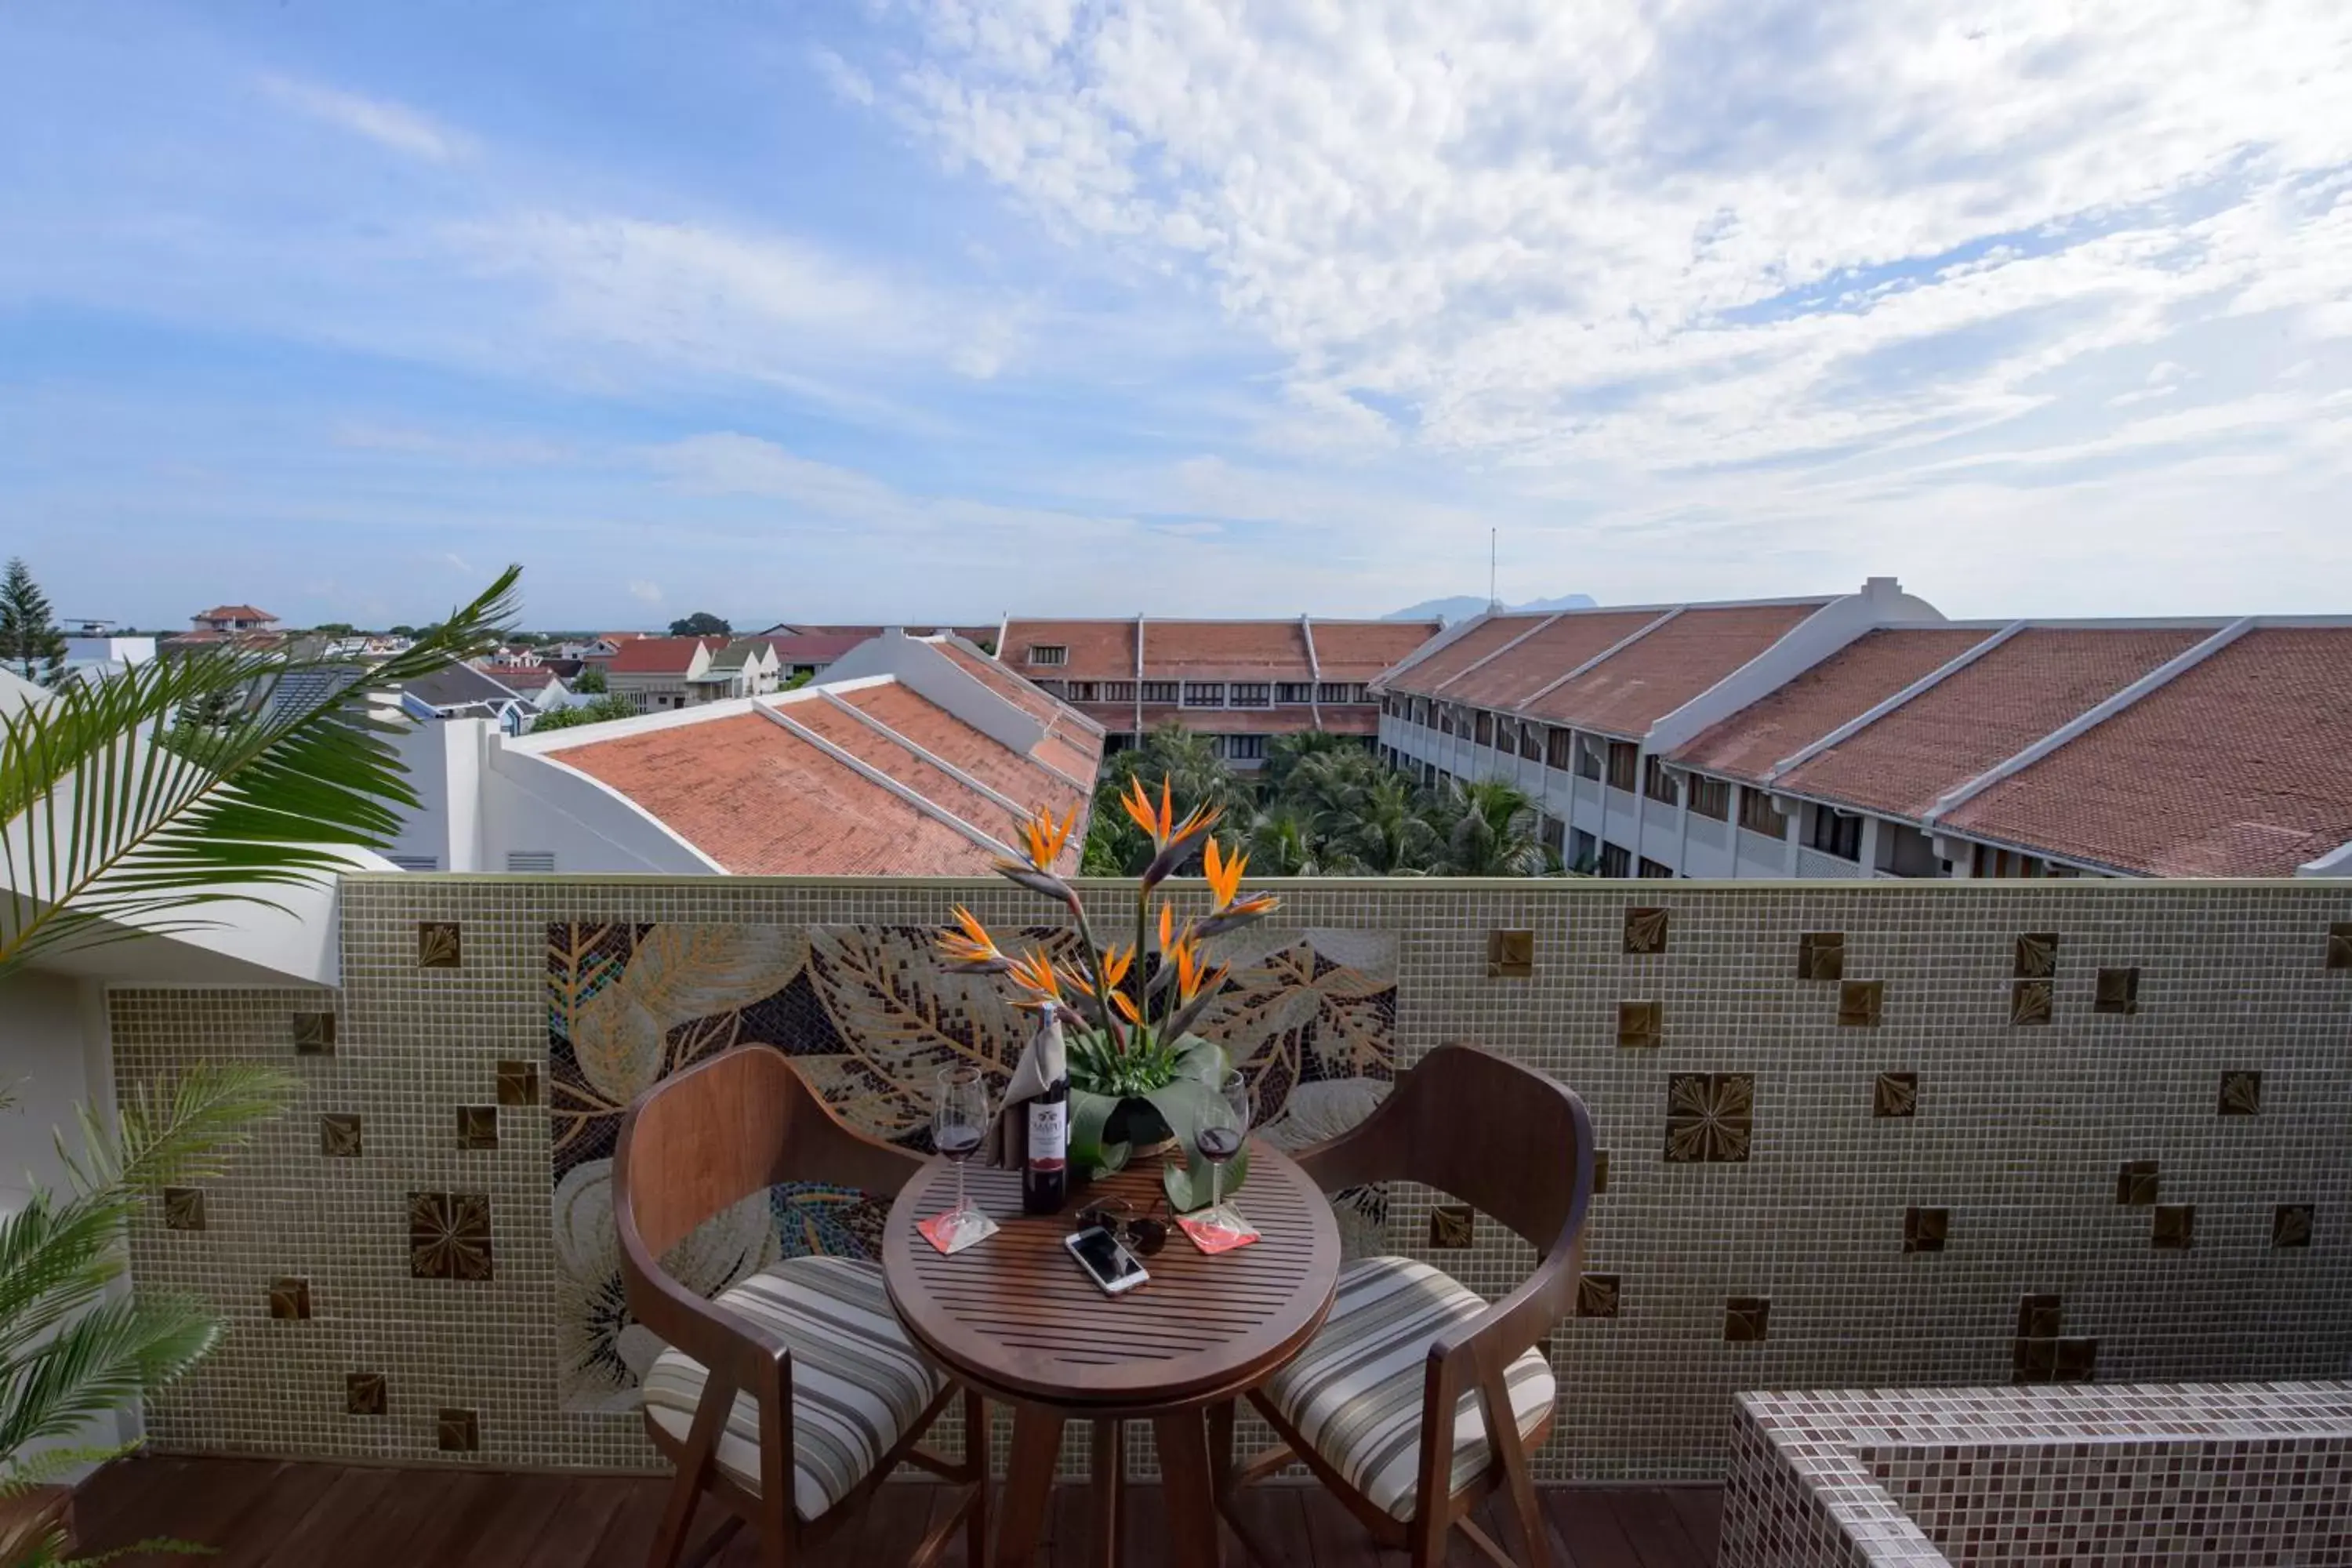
1140,1232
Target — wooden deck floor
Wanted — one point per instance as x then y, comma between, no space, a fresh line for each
287,1515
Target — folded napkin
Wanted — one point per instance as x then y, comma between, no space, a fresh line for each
1042,1060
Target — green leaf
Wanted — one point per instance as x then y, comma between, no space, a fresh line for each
1203,1061
1090,1115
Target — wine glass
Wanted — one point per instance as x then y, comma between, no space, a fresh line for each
958,1122
1224,1120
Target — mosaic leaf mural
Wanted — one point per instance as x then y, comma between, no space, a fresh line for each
1310,1016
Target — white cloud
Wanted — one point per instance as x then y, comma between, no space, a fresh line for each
1668,235
846,79
391,125
646,592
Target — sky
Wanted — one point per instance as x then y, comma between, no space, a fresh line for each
931,312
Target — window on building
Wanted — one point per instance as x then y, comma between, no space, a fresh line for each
1116,741
1445,720
1837,833
1587,757
1204,694
1624,762
1249,694
1557,746
1486,728
1583,852
1506,734
1052,687
1710,797
1657,782
531,862
1337,691
1531,741
1553,834
1245,748
1989,861
1420,713
1084,692
1759,814
1049,653
1295,693
1616,861
1119,691
1160,691
1657,871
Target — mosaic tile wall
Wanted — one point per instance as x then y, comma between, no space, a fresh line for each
1875,1134
2232,1476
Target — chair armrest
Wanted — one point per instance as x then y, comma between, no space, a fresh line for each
702,1329
1517,1321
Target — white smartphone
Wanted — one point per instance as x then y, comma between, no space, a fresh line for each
1107,1263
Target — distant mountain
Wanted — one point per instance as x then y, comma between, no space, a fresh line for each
1462,606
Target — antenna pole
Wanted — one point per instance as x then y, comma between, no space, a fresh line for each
1493,598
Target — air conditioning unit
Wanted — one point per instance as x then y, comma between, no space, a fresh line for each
531,862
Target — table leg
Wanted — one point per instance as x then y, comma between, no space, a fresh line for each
1110,1492
1028,1485
1184,1480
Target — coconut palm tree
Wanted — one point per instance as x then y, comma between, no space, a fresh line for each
1190,767
1282,842
1284,753
1389,835
1491,830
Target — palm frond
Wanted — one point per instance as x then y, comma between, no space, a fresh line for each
110,1355
113,825
180,1130
55,1260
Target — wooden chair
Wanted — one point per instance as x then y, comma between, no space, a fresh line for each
1366,1404
791,1396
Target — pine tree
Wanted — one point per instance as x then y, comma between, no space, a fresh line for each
30,644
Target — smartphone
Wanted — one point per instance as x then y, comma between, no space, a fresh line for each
1108,1264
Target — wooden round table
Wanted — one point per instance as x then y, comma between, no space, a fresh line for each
1016,1319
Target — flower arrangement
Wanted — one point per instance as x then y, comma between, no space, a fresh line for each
1138,1075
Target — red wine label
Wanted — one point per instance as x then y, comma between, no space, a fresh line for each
1049,1134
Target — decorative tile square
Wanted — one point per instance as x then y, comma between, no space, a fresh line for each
2039,1316
1860,1003
1640,1024
460,1431
363,1394
439,945
1646,930
314,1034
2029,1002
1453,1225
184,1208
2034,1360
2037,956
2339,946
2175,1229
2291,1224
1599,1171
477,1126
2076,1361
2117,992
1596,1295
1820,955
1924,1229
1746,1318
1510,954
1895,1094
1709,1117
290,1298
450,1235
2135,1183
340,1135
2241,1093
517,1083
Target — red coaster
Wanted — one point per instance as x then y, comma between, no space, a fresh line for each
1212,1237
941,1231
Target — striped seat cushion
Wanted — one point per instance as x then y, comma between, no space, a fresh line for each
857,1383
1355,1392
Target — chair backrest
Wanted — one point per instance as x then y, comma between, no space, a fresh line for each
738,1123
1507,1139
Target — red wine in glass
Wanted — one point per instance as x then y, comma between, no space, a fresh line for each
1219,1144
958,1144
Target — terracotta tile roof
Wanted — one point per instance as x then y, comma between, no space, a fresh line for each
2239,766
1629,692
1463,651
760,801
1842,687
1003,682
522,677
1510,679
1224,650
234,613
1362,650
1990,712
1017,777
1077,752
877,750
1258,720
1098,650
659,656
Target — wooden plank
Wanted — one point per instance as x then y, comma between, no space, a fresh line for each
415,1505
518,1516
337,1515
1652,1523
202,1500
1590,1529
1339,1538
1702,1513
585,1517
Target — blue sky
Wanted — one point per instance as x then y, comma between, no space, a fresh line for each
938,311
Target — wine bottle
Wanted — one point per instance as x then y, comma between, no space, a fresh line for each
1046,1161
